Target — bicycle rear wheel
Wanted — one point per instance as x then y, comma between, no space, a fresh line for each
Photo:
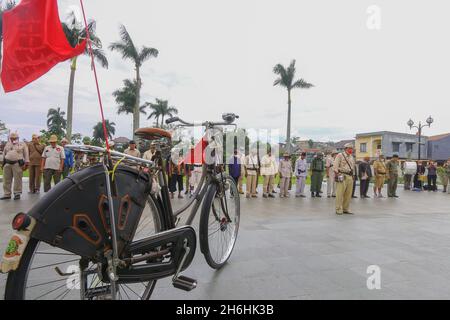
219,222
50,273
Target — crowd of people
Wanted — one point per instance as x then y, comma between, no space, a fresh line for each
339,170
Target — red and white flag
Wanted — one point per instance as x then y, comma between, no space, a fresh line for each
33,43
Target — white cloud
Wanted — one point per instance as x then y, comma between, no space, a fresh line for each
218,57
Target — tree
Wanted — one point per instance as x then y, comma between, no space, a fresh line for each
286,80
310,143
161,109
98,135
129,51
126,98
2,126
76,138
8,6
56,123
75,33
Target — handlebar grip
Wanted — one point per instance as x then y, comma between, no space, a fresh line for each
171,120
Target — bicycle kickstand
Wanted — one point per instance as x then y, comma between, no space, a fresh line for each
183,282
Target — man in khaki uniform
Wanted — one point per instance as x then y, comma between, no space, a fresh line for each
446,177
35,149
379,169
285,170
269,169
132,151
15,162
52,162
343,167
148,155
251,172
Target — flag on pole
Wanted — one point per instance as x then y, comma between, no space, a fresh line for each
33,43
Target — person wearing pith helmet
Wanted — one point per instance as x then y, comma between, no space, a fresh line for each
343,167
15,162
52,163
285,170
35,149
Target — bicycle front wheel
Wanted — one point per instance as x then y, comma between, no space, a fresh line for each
219,222
49,273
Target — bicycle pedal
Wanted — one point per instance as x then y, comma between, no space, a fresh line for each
185,283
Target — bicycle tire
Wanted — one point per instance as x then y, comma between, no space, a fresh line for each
16,281
207,208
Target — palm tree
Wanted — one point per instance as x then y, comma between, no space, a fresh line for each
56,123
126,98
129,51
98,135
75,33
161,109
8,6
286,80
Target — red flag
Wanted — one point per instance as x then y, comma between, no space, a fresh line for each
33,43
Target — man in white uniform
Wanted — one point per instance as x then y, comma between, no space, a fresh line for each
301,172
331,183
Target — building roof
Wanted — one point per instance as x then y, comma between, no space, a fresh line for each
121,140
342,143
438,137
381,133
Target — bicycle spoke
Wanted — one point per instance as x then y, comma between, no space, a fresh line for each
54,264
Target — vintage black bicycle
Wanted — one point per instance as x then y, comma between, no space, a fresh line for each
109,231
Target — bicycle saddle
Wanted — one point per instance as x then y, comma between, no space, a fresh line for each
153,133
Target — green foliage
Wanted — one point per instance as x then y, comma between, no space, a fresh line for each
286,78
161,109
98,135
75,32
129,51
56,123
126,98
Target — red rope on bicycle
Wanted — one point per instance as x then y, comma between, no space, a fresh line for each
91,53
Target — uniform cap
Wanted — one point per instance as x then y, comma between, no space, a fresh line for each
286,154
13,135
348,145
34,136
64,140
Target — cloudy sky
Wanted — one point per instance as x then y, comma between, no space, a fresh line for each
374,65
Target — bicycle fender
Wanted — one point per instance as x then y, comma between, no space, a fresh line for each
74,215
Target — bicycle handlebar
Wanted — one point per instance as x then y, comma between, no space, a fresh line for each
228,118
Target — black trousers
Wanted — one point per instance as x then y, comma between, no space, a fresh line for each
175,179
432,183
364,187
354,186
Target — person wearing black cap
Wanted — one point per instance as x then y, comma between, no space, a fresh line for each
392,176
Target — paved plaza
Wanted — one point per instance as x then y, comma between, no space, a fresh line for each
299,249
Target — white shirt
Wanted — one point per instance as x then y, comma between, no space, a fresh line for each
148,155
269,166
53,157
301,165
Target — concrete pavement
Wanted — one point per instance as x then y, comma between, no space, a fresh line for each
299,249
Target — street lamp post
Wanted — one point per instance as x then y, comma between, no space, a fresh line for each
419,127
